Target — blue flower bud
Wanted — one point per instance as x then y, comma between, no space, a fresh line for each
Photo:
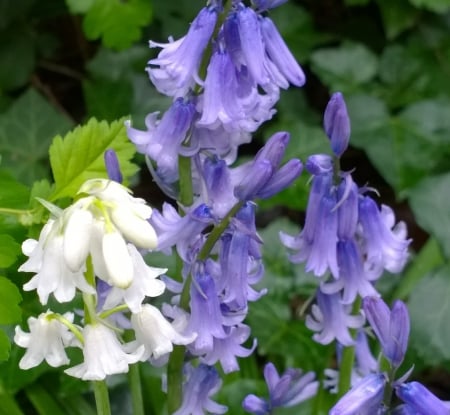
337,124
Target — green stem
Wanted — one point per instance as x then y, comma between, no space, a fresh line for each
175,379
134,379
348,360
217,232
185,174
101,397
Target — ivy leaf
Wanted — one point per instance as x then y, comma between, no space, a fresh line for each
9,251
26,131
429,307
345,68
10,297
397,16
118,23
79,155
431,206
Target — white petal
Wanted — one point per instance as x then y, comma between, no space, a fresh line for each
117,259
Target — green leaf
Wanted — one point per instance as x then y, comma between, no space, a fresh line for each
108,100
429,308
26,131
5,347
79,155
118,23
17,50
438,6
9,251
345,68
10,297
431,206
397,16
13,194
79,6
406,147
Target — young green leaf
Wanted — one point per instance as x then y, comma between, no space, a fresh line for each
10,297
79,155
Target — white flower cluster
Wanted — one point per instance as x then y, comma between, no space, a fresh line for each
98,235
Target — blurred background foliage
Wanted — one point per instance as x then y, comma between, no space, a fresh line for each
63,62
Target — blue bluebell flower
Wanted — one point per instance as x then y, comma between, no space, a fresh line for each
174,71
162,142
202,382
390,326
289,389
331,320
365,398
419,400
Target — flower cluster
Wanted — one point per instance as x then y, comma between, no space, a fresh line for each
367,395
249,64
347,241
92,246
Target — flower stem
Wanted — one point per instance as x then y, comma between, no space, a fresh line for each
101,397
134,379
348,360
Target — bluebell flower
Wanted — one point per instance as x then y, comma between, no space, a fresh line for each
202,382
227,350
337,124
182,231
231,96
206,318
112,166
352,280
162,142
280,54
385,245
289,389
316,244
331,320
175,69
390,326
419,400
263,177
365,398
262,5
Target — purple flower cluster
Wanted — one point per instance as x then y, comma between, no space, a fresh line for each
249,64
367,395
347,241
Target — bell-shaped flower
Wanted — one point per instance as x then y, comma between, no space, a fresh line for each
280,54
103,354
289,389
162,141
155,333
206,318
202,382
365,398
331,320
385,245
175,69
128,214
181,231
352,280
263,5
390,326
227,350
47,340
263,177
144,284
337,124
46,259
419,400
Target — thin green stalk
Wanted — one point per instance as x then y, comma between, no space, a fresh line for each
134,380
348,359
101,397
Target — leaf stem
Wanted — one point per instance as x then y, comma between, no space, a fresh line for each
134,379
